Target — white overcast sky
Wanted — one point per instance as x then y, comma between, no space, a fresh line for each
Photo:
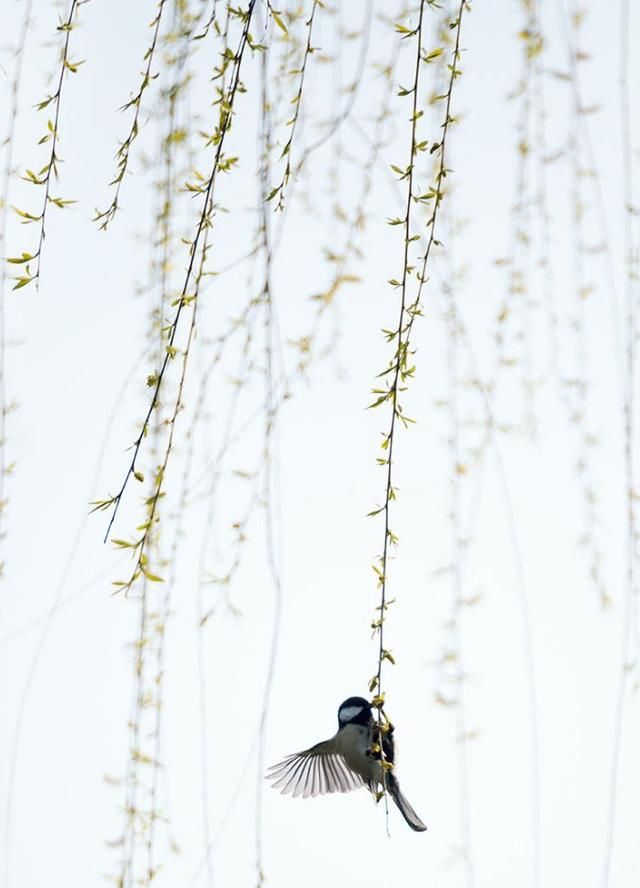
73,363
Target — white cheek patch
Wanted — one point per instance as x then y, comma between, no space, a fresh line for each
349,713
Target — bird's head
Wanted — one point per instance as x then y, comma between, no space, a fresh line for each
354,711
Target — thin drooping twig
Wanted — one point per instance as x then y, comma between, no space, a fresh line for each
400,369
46,620
156,683
223,127
459,545
631,312
337,122
340,275
523,602
280,189
598,197
50,169
270,412
9,143
104,217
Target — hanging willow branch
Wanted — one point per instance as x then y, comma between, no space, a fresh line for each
206,188
400,369
279,190
43,177
104,217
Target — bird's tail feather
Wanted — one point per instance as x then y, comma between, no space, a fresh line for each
405,808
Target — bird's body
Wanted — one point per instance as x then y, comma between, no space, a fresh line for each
348,760
350,742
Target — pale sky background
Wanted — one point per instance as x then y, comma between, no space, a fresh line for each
75,365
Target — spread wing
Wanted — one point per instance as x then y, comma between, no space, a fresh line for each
315,771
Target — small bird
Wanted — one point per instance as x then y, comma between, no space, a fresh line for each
349,760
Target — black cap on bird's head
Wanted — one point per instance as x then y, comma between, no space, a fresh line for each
354,711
